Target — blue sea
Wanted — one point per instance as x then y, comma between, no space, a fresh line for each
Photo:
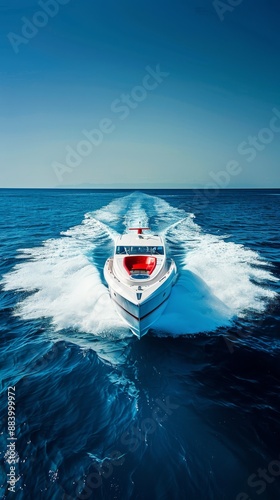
192,410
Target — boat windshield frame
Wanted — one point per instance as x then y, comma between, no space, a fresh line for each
139,250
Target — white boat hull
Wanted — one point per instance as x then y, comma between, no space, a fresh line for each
139,325
140,278
141,315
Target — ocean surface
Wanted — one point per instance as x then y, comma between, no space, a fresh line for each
192,410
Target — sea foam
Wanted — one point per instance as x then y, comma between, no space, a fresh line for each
218,280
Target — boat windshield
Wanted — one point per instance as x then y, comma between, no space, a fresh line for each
141,250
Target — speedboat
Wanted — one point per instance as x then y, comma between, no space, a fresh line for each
140,277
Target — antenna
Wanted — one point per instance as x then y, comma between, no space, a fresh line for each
139,229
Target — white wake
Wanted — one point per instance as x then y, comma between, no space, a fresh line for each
218,280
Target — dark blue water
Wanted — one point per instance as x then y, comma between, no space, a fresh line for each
192,410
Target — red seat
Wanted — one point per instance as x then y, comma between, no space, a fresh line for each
139,263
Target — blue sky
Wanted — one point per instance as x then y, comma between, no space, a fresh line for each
221,84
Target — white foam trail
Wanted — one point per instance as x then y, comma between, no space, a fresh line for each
113,211
66,285
217,279
130,210
192,308
166,215
138,208
137,216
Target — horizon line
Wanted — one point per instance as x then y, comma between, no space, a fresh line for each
69,188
